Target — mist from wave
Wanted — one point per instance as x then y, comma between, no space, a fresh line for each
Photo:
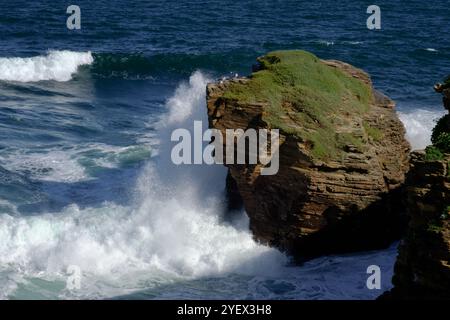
174,230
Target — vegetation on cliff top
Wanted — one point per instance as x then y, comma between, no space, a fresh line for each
441,134
306,98
440,137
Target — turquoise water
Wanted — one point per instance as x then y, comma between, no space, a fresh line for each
84,123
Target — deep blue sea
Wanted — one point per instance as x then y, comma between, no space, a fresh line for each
85,117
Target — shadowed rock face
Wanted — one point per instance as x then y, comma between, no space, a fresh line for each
422,270
346,198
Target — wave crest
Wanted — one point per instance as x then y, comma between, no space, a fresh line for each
55,65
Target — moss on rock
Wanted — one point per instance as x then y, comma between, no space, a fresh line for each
440,136
433,153
375,133
299,86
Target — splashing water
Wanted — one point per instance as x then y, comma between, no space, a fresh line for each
173,231
419,124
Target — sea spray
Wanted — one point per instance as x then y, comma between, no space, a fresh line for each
174,231
418,124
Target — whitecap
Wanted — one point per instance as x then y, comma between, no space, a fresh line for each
325,42
55,65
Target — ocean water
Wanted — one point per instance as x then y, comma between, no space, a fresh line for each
85,119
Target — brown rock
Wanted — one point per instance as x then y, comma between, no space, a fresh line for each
422,270
315,206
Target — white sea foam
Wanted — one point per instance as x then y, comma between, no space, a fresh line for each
326,42
419,124
353,42
53,165
332,42
72,164
173,231
55,65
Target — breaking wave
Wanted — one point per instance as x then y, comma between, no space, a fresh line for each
55,65
173,231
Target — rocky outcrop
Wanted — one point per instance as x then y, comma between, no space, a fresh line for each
343,155
422,270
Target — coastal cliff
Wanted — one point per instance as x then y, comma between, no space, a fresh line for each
422,269
342,155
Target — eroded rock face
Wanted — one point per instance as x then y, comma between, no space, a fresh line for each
319,205
422,269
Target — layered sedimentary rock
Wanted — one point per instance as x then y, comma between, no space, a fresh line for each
422,269
343,155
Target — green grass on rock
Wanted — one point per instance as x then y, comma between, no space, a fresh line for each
306,98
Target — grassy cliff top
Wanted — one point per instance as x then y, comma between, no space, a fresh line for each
306,98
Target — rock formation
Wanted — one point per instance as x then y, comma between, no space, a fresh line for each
343,155
422,270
